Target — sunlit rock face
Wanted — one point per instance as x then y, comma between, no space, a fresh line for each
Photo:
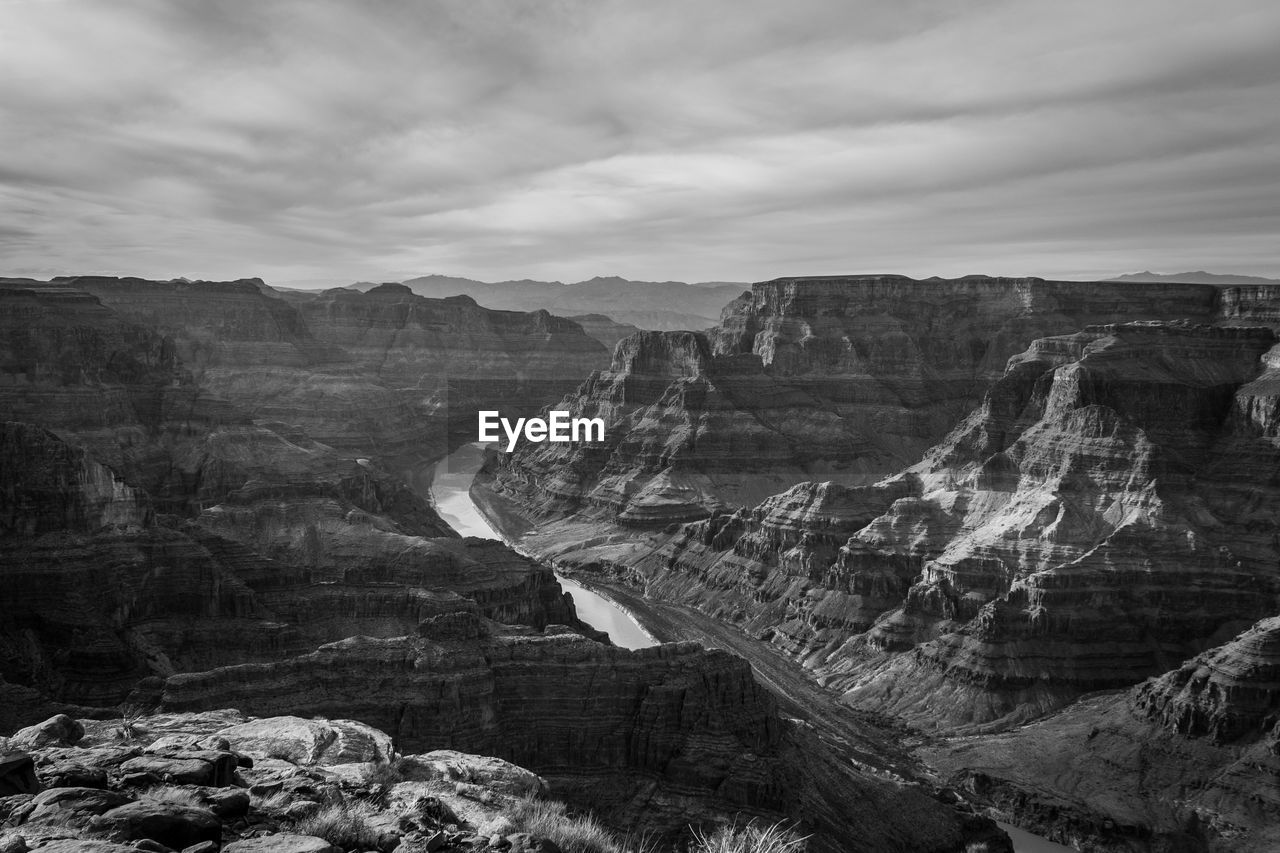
1107,510
1188,760
844,379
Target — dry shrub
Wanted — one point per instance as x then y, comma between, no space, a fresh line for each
346,824
749,838
171,796
547,819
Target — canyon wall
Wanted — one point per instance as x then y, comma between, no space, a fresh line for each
385,374
153,520
842,379
1189,760
656,738
1106,510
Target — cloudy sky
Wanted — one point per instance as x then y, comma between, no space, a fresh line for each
693,139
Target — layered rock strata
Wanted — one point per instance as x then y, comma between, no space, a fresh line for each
1187,761
1107,511
99,591
385,374
845,379
656,737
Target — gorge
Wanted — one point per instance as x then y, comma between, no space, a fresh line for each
869,540
216,496
1096,506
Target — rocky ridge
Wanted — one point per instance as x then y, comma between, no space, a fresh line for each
1126,462
842,379
1106,512
151,526
650,739
1188,760
176,546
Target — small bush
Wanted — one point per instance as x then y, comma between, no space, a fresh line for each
129,728
171,796
343,824
547,819
749,838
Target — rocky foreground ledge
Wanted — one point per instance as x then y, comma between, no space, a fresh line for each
223,781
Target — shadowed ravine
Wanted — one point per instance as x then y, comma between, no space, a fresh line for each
798,695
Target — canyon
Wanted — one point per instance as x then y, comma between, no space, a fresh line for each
217,496
884,538
961,504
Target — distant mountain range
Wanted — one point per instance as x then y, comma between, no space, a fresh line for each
657,305
1196,277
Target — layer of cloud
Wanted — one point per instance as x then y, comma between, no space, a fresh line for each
720,139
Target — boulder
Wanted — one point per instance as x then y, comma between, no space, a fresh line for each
283,843
70,773
49,805
78,845
228,802
173,824
216,769
491,773
306,742
58,730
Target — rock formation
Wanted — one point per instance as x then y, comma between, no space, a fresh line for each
384,374
843,379
150,526
1107,510
659,305
1186,761
657,737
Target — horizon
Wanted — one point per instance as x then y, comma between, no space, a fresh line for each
1117,278
320,143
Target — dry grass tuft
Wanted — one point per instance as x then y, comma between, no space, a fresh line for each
547,819
749,838
277,802
344,824
171,796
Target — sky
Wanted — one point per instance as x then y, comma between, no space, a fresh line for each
313,142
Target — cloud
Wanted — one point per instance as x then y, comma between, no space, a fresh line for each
724,139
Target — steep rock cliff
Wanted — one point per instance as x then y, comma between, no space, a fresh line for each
1109,510
1187,761
655,737
845,379
99,591
384,374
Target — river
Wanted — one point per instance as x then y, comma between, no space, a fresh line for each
451,492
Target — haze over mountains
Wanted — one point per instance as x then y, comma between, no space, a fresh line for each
660,305
1195,277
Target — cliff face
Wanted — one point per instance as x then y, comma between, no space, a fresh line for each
99,592
1186,761
657,737
1108,510
844,379
148,526
384,374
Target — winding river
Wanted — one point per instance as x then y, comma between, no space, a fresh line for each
451,491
